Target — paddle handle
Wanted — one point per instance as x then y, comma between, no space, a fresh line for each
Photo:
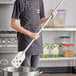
43,26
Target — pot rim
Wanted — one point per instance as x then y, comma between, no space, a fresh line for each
9,69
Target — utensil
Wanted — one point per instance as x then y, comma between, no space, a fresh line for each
21,71
19,58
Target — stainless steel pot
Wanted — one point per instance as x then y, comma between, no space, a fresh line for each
21,71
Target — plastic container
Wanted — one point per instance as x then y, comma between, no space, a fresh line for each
64,39
58,21
45,51
68,50
55,53
54,50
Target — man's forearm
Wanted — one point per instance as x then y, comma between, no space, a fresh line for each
43,20
19,28
53,14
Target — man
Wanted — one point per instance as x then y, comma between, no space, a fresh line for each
31,14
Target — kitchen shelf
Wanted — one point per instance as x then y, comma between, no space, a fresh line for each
65,29
6,2
8,52
8,46
59,29
59,58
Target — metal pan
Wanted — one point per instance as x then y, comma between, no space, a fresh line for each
21,71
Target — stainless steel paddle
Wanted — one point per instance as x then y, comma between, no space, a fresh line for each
19,58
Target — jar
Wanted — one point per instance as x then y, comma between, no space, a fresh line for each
55,53
58,21
64,39
54,50
45,51
68,50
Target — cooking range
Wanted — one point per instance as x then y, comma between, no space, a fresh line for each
8,41
8,46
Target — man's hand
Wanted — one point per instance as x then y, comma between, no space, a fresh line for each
53,13
34,35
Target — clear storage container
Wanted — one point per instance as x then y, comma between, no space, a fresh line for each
68,50
45,51
54,50
58,21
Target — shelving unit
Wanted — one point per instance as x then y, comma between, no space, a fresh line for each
9,2
59,29
59,58
65,29
56,32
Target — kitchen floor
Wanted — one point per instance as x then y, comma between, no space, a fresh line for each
58,74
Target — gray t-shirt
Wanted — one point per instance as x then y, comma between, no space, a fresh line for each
19,8
22,11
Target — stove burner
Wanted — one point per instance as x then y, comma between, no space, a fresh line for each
8,41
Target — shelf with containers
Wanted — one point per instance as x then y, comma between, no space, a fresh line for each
54,30
47,39
59,58
60,29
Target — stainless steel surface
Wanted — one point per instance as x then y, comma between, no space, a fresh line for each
8,47
8,57
22,71
8,42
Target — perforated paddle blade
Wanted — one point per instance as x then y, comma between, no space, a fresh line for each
18,59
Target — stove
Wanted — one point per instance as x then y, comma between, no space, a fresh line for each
8,41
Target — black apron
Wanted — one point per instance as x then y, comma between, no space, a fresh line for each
30,20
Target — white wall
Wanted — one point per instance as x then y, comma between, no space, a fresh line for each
5,16
69,5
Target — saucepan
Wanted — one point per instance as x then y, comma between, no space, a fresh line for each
21,71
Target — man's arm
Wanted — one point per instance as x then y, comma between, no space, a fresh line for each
17,27
43,20
53,13
17,10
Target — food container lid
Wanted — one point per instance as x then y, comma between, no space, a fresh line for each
62,10
67,44
64,37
